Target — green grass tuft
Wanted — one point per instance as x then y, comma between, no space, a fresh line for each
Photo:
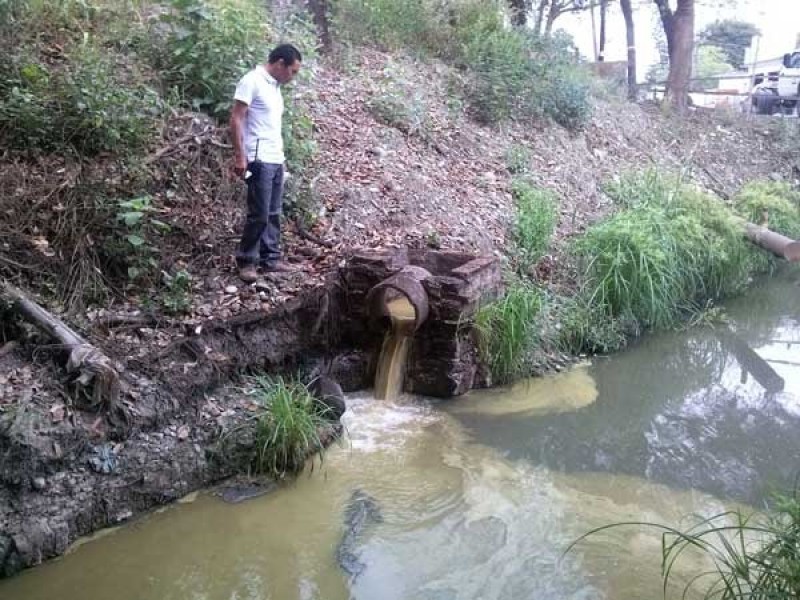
585,329
535,222
778,199
508,330
287,425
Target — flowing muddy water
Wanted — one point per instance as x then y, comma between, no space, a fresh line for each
478,498
394,352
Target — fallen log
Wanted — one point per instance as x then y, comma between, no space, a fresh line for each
90,368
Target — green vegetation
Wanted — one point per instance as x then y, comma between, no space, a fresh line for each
202,48
83,106
774,201
661,260
176,294
508,330
393,107
510,73
584,328
136,225
100,80
534,224
665,254
754,557
286,427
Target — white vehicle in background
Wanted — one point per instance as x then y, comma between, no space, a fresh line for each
780,89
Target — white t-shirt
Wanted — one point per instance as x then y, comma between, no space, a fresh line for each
262,127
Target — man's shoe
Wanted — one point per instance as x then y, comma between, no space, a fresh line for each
248,273
280,266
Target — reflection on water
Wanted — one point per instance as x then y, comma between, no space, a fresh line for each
706,409
478,499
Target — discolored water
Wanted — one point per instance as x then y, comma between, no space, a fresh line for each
478,498
394,352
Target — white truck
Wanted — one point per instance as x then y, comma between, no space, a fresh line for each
778,89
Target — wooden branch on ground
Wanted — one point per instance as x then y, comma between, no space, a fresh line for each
109,322
89,366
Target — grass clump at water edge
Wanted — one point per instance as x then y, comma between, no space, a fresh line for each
285,427
507,330
666,254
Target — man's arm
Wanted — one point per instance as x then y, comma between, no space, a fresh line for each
237,130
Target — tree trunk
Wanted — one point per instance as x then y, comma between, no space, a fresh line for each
91,368
519,12
680,60
552,15
537,28
319,13
601,55
627,13
666,15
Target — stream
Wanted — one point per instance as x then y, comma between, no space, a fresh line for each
478,498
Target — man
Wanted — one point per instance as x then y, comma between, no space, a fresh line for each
258,157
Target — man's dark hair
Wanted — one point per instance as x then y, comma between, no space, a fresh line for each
287,52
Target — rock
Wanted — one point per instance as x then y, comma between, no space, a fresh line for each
39,483
329,397
231,289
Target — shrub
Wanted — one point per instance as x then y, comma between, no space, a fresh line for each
500,76
85,106
775,200
561,89
403,109
507,330
129,246
510,74
206,46
534,223
389,23
287,422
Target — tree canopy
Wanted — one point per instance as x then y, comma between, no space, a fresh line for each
731,36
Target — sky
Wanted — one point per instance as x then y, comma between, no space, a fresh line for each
778,20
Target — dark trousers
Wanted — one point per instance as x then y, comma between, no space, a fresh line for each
261,238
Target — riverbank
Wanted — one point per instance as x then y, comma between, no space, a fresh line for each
136,255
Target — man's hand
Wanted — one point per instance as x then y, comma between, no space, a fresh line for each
239,166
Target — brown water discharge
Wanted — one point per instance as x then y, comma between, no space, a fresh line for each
392,363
